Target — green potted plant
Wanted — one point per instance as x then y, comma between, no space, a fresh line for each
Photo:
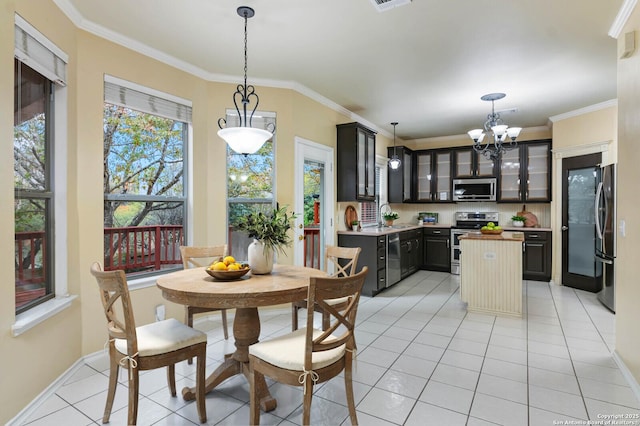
518,221
270,232
354,225
389,217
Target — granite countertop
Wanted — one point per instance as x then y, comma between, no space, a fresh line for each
505,236
374,230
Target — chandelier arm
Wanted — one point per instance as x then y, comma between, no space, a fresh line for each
250,93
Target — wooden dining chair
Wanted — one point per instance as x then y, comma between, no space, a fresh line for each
344,261
195,257
147,347
309,356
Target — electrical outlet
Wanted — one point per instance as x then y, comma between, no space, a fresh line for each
160,313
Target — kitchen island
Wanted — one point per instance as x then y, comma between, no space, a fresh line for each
491,273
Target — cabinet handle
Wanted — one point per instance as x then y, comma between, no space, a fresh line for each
437,232
533,236
447,243
524,247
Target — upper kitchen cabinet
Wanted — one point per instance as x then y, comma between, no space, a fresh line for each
356,163
433,175
470,164
400,180
525,173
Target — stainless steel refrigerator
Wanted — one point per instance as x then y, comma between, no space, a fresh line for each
605,247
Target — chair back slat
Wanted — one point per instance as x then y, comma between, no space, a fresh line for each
336,257
325,288
195,257
116,302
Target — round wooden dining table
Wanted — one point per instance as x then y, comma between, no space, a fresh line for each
194,287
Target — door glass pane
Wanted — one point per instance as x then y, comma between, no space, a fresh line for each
362,155
443,181
581,222
537,172
463,163
424,177
313,191
406,185
510,175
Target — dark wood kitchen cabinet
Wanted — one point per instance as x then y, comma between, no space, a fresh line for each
525,173
436,248
373,255
400,180
433,175
536,258
356,165
467,163
410,252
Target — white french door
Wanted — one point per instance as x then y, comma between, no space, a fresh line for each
310,155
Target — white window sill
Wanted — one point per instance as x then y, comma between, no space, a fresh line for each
40,313
140,283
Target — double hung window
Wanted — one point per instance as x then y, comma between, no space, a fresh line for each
146,136
39,76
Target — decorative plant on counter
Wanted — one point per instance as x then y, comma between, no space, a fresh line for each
271,229
518,220
391,216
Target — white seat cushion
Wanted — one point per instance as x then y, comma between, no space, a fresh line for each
338,301
162,337
288,351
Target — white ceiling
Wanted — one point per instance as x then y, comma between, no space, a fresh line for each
424,65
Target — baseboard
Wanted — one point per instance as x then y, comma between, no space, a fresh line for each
633,383
32,407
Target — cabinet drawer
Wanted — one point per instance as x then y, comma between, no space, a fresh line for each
382,278
536,236
382,257
436,231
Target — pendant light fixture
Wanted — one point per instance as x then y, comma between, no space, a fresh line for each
394,162
244,139
499,131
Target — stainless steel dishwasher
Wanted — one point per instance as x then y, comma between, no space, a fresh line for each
393,259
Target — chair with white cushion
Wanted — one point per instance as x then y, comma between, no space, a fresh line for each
344,261
150,346
196,257
309,356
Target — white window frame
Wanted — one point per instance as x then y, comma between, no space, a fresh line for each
62,300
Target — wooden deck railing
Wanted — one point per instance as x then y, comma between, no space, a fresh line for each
132,249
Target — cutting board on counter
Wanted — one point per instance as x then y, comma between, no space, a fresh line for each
531,219
350,214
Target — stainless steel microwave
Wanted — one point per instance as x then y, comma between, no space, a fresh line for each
474,189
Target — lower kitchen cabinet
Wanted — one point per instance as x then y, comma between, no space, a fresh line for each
410,252
436,248
536,259
373,255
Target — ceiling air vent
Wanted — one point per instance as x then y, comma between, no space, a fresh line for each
384,5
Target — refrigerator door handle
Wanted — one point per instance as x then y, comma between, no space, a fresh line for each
597,210
603,260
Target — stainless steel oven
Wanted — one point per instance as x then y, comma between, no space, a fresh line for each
466,222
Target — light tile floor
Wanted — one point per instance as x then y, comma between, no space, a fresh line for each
422,360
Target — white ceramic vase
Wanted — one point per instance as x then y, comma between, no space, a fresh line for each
260,258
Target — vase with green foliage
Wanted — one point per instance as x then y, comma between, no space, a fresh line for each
270,232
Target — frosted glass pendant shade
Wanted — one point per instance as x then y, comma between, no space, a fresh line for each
244,140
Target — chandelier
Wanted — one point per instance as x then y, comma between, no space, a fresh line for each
394,162
497,130
244,139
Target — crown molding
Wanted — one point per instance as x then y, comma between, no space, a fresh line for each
621,18
79,21
585,110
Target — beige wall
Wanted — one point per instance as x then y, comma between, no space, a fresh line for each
628,288
34,359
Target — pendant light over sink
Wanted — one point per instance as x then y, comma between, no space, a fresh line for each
244,139
394,161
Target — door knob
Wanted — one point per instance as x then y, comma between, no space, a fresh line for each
564,227
300,237
300,226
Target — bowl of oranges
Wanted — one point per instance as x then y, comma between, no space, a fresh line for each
227,269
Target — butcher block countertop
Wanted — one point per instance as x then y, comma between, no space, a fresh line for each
505,236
